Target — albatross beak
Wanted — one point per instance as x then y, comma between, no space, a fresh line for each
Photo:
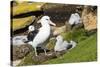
52,23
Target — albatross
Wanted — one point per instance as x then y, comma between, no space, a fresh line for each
32,32
72,44
19,40
43,34
60,44
63,45
74,19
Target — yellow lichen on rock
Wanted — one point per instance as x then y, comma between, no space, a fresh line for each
59,30
89,19
25,7
90,22
22,22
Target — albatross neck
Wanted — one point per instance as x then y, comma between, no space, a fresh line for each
45,24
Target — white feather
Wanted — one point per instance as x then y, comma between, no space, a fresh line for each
19,40
73,43
60,44
75,19
31,28
43,34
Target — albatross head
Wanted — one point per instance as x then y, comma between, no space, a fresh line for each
59,37
46,18
31,28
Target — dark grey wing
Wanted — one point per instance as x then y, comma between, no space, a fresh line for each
69,46
31,35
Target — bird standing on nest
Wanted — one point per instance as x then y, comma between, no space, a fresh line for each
43,34
60,44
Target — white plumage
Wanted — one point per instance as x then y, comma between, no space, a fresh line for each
63,45
73,43
19,40
31,28
43,34
74,19
60,44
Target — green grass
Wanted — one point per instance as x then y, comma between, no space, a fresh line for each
85,51
27,60
76,35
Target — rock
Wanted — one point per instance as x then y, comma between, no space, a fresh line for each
22,22
62,29
31,59
60,53
59,30
15,63
19,52
51,55
42,57
25,7
89,19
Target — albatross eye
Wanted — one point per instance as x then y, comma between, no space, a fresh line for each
47,19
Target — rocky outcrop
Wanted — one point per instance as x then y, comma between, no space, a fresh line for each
89,18
25,7
31,59
59,30
19,52
22,22
42,57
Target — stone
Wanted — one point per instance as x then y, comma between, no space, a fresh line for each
21,22
59,30
25,7
19,52
42,57
89,19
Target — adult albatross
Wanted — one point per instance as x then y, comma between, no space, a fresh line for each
43,34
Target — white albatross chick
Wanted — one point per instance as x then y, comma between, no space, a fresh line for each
32,32
31,28
43,34
19,40
73,43
60,44
74,19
